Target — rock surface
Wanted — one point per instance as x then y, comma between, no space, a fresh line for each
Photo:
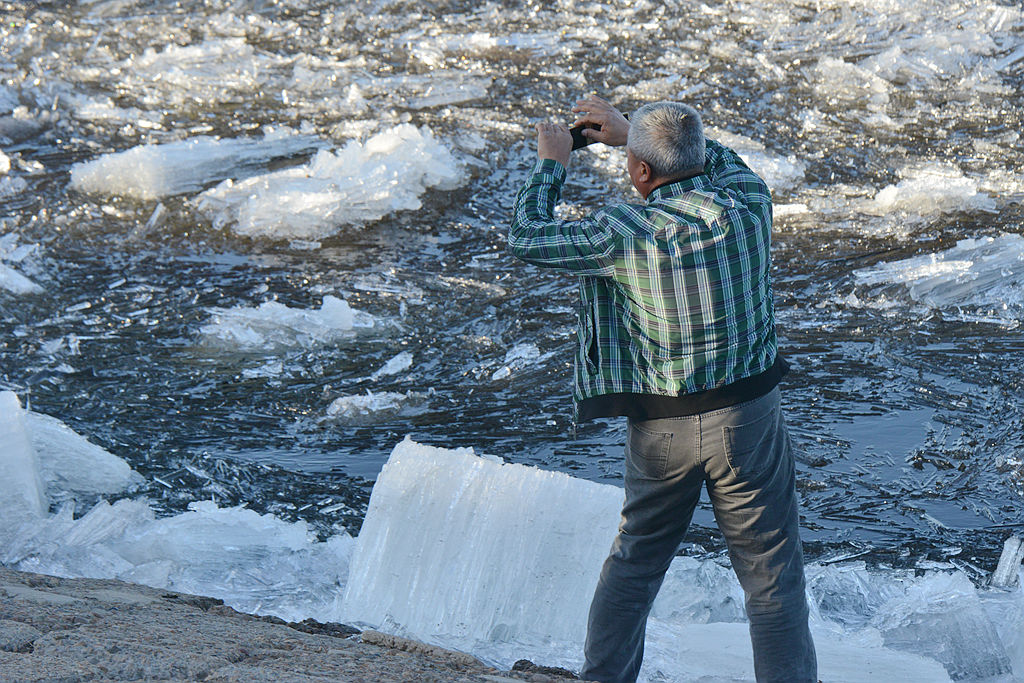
54,629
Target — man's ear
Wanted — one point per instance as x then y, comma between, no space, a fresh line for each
644,174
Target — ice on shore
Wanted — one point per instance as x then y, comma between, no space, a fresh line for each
357,184
150,172
273,326
256,563
500,560
5,163
979,279
471,551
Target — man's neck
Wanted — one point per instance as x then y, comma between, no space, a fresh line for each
685,175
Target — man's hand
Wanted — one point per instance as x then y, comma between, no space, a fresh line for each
614,126
554,141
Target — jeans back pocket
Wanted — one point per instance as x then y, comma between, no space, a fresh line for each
750,447
647,452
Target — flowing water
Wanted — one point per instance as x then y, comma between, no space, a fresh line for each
354,165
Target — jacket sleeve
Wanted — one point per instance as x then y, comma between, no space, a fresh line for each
583,247
728,171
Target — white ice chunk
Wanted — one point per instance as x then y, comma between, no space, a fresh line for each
154,171
16,283
519,357
928,189
5,163
359,183
984,274
21,490
274,326
461,548
68,463
400,363
359,408
843,85
11,186
779,172
208,73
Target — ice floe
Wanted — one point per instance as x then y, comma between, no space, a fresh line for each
373,406
357,184
778,171
273,326
151,172
931,188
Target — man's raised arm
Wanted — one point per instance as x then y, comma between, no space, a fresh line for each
535,235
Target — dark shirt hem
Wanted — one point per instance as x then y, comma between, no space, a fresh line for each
654,406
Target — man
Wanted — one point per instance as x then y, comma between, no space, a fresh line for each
677,333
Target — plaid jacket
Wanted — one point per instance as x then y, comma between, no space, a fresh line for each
675,293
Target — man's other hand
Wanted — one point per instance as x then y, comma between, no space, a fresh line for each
554,141
614,126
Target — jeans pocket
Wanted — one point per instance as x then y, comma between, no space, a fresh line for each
750,447
647,452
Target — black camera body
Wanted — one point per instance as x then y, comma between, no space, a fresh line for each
578,139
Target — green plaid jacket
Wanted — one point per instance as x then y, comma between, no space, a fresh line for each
675,293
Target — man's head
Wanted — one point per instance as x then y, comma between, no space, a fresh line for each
666,142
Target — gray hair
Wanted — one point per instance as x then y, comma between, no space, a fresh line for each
669,136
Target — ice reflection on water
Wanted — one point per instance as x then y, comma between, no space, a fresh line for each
889,131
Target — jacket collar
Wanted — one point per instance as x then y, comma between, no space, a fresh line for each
674,188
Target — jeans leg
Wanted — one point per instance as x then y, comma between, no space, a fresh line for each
751,482
662,488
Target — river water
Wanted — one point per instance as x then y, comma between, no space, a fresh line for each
305,263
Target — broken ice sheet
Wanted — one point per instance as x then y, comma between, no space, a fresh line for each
357,184
273,326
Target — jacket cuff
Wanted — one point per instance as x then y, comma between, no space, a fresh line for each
552,168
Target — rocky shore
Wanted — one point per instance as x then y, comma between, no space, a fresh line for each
54,629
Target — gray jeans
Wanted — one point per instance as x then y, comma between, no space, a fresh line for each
742,455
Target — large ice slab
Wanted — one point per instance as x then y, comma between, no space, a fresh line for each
357,184
466,548
153,171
